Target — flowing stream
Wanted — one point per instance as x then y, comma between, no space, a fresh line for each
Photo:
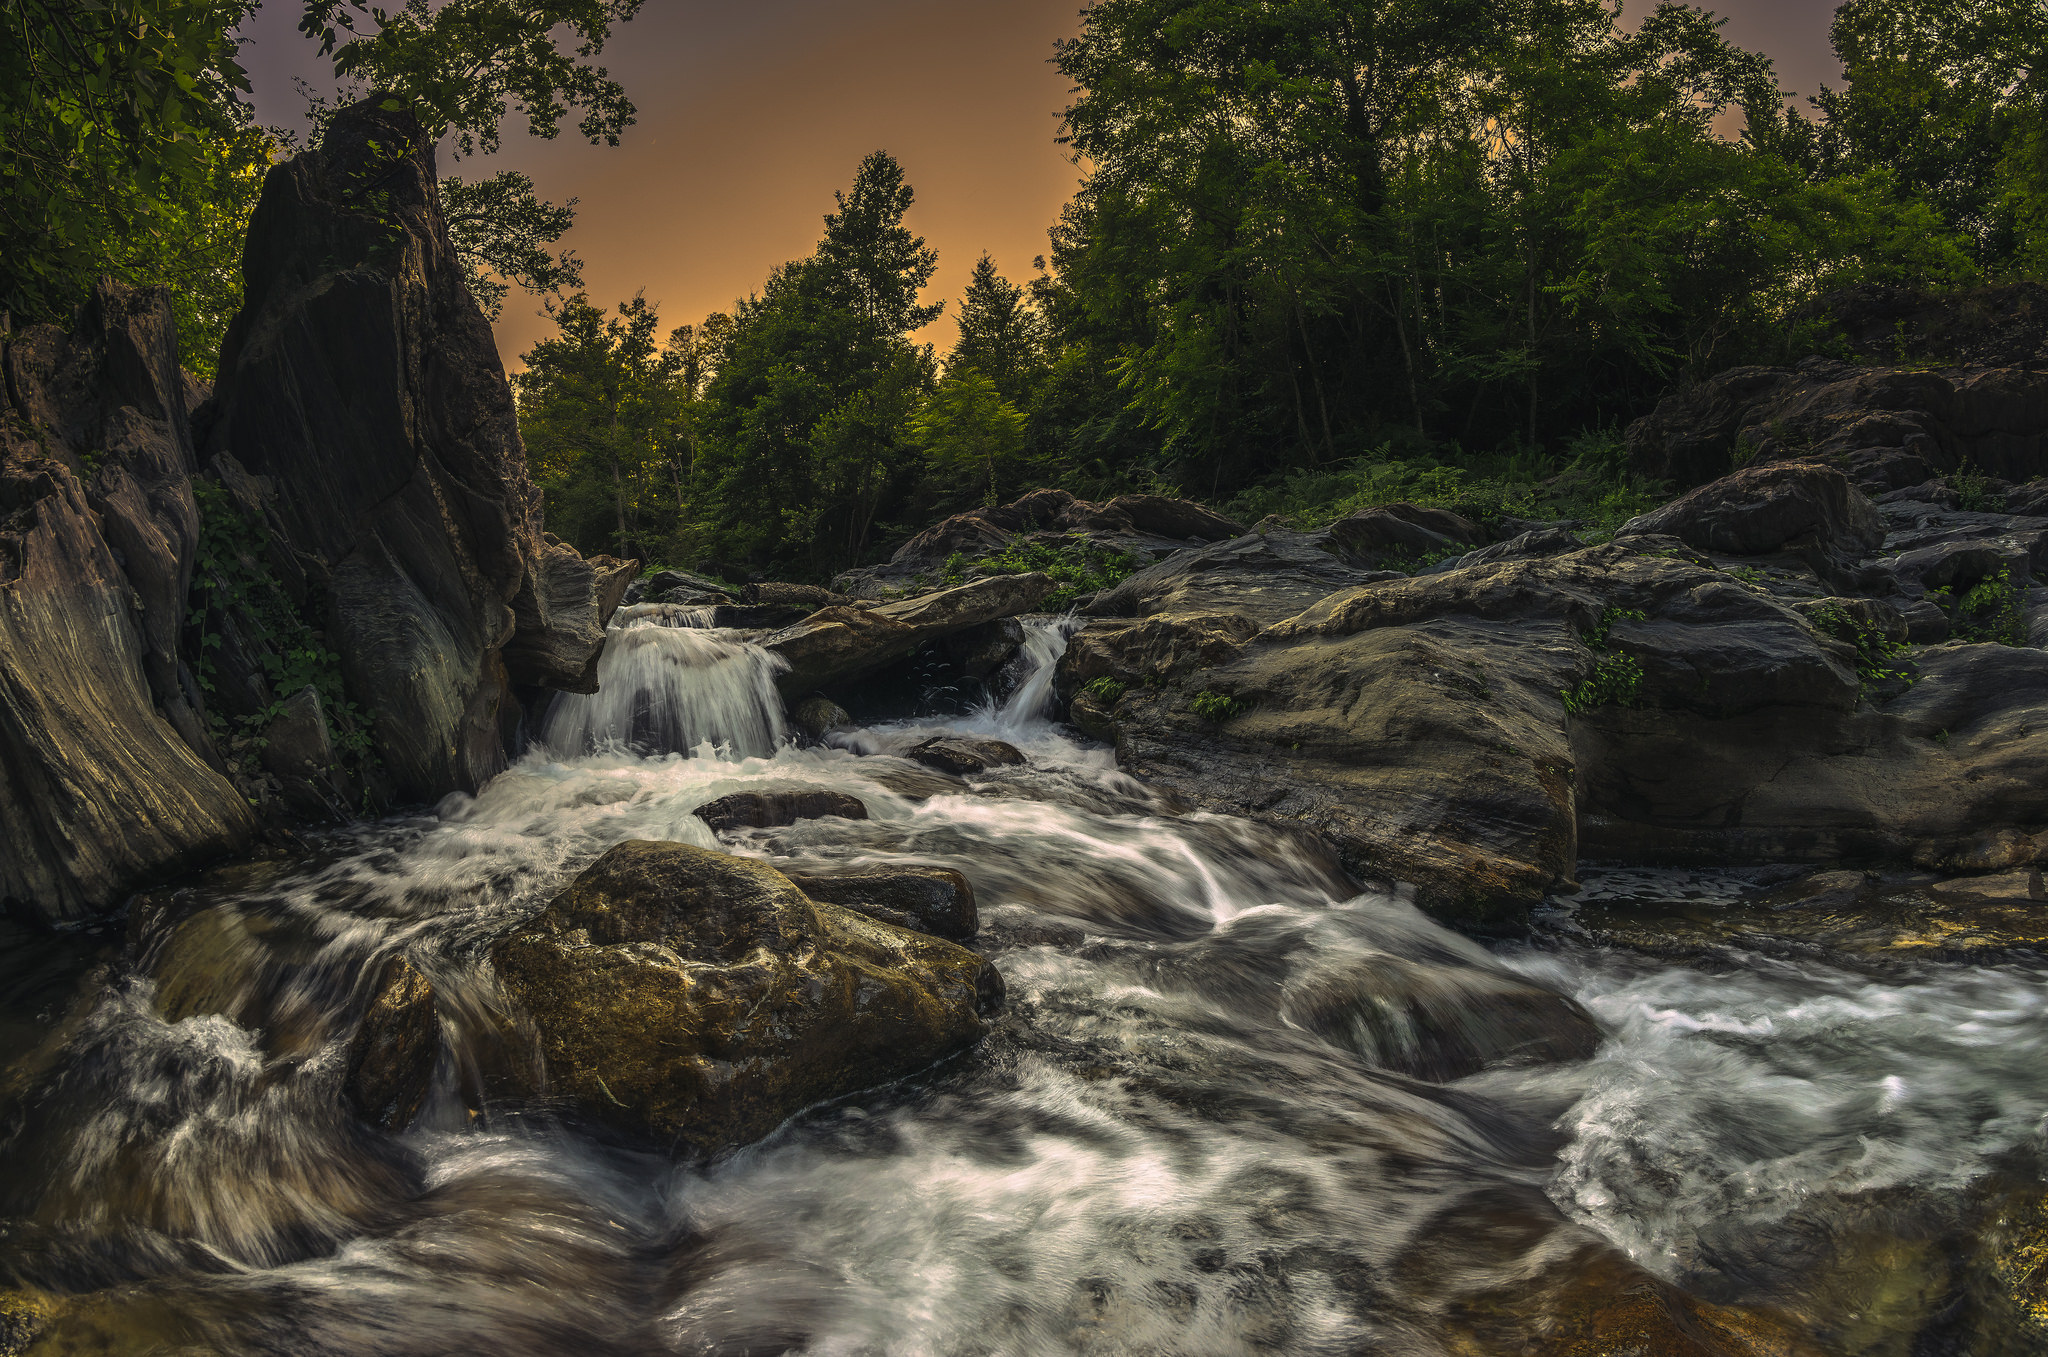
1232,1106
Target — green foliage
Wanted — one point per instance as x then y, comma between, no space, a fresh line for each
1616,681
805,423
1002,335
604,411
1108,690
232,579
1596,637
1991,611
1877,659
1215,707
1589,483
126,149
501,230
967,429
1079,566
465,65
1974,492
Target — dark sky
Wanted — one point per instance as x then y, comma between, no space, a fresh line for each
752,114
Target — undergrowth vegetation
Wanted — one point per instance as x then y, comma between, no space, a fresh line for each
1878,660
233,587
1588,482
1617,678
1077,565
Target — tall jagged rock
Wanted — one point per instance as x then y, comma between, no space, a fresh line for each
105,776
361,393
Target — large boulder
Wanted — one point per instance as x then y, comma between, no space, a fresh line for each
362,400
1771,508
1261,577
1886,427
840,643
1402,534
99,790
691,998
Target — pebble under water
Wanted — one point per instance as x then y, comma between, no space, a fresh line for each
1233,1105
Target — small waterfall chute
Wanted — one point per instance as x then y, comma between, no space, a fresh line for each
669,683
1038,659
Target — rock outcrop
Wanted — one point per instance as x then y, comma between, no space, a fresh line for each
107,776
1670,697
362,405
839,644
691,998
1885,427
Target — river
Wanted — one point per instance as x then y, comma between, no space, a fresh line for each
1232,1105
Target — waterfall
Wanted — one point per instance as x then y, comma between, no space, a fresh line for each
668,683
1045,641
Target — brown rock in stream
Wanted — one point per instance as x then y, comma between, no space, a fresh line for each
693,998
935,900
770,810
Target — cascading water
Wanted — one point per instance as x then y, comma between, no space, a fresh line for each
1232,1106
665,684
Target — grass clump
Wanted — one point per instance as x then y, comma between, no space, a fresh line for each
1215,707
1589,482
1973,490
1076,564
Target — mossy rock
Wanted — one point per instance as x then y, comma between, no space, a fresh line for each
696,999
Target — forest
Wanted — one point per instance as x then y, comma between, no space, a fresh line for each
1322,252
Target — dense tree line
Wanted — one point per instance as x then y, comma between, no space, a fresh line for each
1316,231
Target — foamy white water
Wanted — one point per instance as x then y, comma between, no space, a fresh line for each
1232,1106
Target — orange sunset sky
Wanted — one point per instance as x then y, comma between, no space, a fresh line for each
752,114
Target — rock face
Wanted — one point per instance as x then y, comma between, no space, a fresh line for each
837,644
691,998
1261,577
106,772
362,395
1478,730
1886,427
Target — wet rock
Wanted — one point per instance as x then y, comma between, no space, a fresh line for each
769,810
560,615
666,581
935,900
697,999
1439,1022
981,652
1768,508
295,743
98,791
963,754
23,1316
391,1057
816,715
839,644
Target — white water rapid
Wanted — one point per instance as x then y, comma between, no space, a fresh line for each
1232,1106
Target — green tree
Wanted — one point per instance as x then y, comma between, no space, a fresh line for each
466,65
1001,334
1952,99
126,149
967,428
501,230
804,442
604,414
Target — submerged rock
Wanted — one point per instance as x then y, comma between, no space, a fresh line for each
816,715
697,999
963,754
770,810
935,900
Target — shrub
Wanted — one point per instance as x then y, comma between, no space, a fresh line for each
1991,611
1974,492
1077,565
1876,657
1616,682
